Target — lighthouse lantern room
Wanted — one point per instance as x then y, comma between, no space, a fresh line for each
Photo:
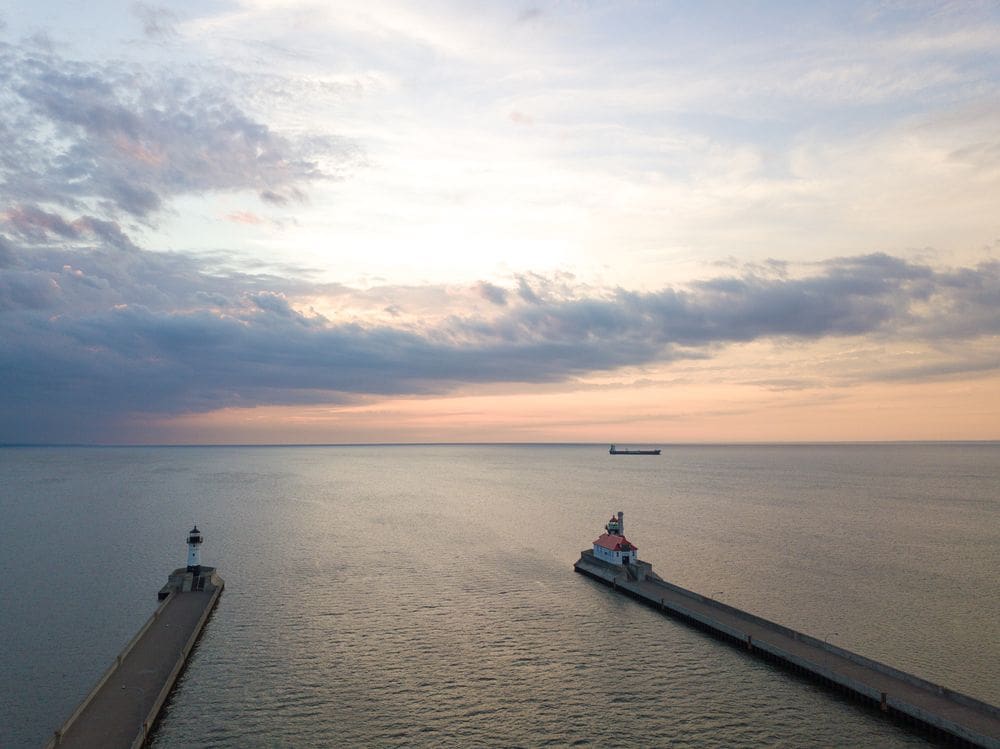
194,551
612,546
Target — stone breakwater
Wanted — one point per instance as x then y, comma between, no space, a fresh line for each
909,699
122,708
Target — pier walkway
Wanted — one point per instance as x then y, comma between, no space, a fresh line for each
121,709
902,695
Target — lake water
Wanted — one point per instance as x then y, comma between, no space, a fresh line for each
425,595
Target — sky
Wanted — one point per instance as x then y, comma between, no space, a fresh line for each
269,221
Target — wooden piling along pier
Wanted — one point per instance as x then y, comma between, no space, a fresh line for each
121,710
949,715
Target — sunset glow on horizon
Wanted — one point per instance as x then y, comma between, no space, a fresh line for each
264,221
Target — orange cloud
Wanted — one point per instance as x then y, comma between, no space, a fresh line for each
651,414
245,217
138,151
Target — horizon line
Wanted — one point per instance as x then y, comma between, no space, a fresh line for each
730,443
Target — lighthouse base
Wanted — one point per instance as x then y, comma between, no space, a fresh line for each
185,580
636,571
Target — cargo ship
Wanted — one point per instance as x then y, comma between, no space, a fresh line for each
615,451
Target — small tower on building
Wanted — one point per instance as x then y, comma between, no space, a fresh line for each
194,551
616,526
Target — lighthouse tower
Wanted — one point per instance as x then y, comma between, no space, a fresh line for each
194,551
616,526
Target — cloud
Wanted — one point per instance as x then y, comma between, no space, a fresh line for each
37,226
244,217
492,293
526,292
34,224
157,22
102,332
528,14
6,253
941,370
122,140
520,118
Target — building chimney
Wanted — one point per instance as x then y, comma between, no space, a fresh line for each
621,523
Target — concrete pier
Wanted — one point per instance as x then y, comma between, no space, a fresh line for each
950,715
122,708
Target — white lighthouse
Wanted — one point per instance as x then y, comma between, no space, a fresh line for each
194,577
194,551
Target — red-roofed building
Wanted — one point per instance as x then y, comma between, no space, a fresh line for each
613,547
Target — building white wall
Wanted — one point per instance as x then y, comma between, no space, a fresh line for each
614,557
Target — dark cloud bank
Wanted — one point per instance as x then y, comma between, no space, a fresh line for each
95,330
92,336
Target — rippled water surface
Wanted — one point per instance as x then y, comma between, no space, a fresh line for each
424,596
